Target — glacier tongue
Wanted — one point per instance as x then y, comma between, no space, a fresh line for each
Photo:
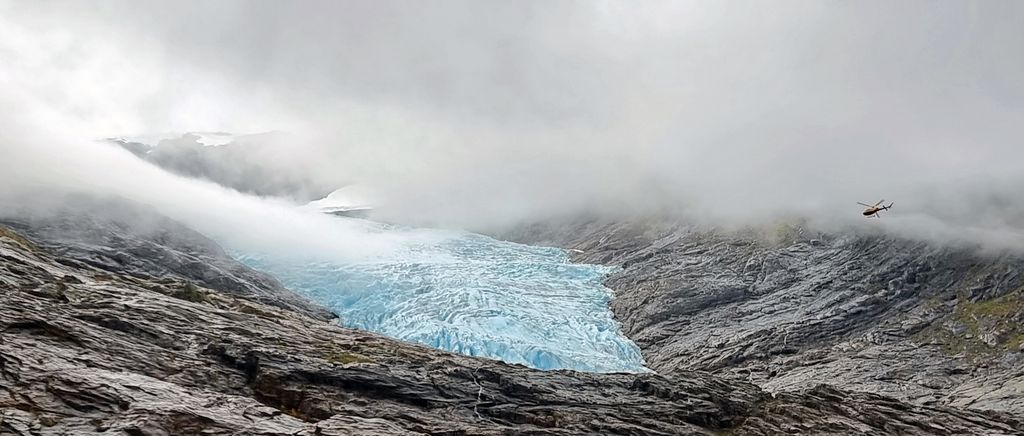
470,294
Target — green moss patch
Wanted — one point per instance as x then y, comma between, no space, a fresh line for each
981,328
20,240
190,292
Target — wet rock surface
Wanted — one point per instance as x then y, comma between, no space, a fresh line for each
87,350
787,308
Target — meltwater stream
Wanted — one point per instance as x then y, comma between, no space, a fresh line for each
470,294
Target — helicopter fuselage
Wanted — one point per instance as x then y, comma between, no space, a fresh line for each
874,210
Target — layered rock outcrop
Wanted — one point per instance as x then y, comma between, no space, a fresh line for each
787,308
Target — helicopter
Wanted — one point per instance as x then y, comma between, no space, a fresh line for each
872,211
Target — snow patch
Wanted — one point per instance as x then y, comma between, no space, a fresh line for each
349,198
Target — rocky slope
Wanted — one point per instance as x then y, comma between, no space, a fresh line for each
86,349
787,308
260,164
122,237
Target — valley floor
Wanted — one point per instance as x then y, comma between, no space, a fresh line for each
150,334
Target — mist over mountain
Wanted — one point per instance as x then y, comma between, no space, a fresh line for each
258,164
483,115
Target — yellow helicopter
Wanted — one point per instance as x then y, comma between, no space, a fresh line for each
872,211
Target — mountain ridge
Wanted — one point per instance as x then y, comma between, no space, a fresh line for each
260,164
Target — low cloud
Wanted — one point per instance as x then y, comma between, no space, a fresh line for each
485,114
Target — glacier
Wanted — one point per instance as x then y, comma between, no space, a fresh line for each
470,294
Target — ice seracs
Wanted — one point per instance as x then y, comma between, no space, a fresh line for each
469,294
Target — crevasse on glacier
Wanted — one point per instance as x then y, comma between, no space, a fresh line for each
470,294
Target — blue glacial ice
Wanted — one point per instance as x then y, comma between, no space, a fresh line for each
470,294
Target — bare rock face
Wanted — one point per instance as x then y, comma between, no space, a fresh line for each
85,349
787,308
122,237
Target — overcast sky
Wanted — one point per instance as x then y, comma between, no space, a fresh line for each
477,112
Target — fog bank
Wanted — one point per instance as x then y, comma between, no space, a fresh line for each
486,114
